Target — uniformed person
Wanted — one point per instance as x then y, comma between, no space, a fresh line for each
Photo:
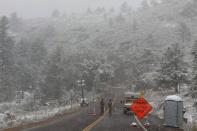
102,105
110,107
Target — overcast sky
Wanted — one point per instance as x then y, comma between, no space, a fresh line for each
39,8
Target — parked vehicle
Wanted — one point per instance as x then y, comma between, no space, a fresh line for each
128,99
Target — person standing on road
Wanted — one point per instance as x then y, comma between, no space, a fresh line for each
102,105
110,107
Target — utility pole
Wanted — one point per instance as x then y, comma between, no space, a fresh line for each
81,84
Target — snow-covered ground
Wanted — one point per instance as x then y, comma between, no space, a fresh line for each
29,117
21,116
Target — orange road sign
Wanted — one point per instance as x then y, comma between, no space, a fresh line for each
141,107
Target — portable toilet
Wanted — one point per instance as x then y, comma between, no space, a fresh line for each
173,111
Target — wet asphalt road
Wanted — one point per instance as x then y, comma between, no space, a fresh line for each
121,122
118,122
74,122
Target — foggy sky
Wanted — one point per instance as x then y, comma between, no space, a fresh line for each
40,8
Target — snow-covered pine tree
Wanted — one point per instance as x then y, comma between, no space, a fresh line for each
55,14
184,32
173,70
145,4
154,3
55,73
31,59
6,62
194,70
134,25
125,8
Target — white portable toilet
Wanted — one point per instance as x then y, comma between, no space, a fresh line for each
173,111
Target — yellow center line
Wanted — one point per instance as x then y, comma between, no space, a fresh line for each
88,128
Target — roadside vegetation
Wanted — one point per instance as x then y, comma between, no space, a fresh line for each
152,47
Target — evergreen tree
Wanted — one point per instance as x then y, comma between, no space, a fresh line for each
55,75
144,4
125,8
135,25
146,61
189,10
6,61
4,28
99,10
194,70
38,53
173,70
120,18
15,22
49,32
111,11
38,56
55,14
184,32
111,22
31,60
24,75
89,11
154,2
150,39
